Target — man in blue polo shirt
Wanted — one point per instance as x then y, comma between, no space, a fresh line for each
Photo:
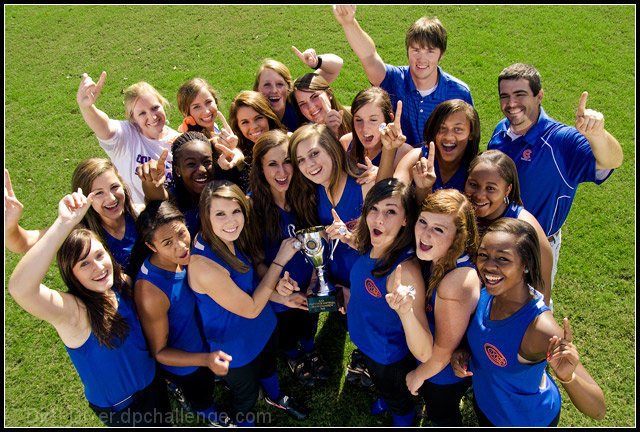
551,158
422,85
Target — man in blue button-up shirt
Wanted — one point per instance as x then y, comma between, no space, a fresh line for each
421,85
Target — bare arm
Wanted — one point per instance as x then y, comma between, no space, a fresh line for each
86,97
329,67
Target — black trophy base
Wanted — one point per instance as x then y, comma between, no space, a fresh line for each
318,304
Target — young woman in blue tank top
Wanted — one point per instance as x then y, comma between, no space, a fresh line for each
513,337
327,179
233,303
446,239
270,178
111,216
493,188
385,240
95,319
167,307
454,128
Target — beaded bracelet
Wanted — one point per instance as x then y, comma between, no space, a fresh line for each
573,376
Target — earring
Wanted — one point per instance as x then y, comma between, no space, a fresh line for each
526,271
506,200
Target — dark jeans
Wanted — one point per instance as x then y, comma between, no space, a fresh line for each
197,387
150,407
443,401
391,381
244,381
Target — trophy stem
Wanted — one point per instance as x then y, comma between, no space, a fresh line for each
322,283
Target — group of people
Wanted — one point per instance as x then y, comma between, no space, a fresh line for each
181,266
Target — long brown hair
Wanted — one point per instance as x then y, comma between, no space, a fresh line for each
187,93
374,95
246,242
384,189
452,202
105,321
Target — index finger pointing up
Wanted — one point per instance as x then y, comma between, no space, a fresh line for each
162,158
297,51
7,183
582,106
398,277
567,329
224,122
398,113
336,217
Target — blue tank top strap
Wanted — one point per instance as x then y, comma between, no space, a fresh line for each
240,337
185,330
513,211
121,248
512,394
111,376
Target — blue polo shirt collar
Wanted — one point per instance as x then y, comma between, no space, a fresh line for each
536,131
411,86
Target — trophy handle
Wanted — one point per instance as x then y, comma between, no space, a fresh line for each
334,245
292,230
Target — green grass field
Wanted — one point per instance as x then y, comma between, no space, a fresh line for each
575,48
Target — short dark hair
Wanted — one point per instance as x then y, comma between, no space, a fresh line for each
522,71
427,32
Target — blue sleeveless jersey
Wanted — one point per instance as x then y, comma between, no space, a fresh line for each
121,249
298,267
508,392
191,214
290,118
185,332
513,211
375,161
446,375
455,182
242,338
349,209
374,327
110,376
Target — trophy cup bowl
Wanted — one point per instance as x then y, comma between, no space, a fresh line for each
317,248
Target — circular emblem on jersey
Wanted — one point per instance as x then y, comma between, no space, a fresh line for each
429,308
352,224
372,288
495,355
311,244
526,154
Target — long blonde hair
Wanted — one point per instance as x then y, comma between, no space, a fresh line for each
133,93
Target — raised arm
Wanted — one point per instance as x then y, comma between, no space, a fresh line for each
328,66
88,93
606,149
361,43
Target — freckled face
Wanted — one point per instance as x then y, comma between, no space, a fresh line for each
435,233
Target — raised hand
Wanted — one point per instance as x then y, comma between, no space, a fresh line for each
309,57
229,158
288,249
338,229
332,118
370,171
344,14
219,362
287,286
12,207
226,136
73,207
153,171
588,121
562,355
391,135
423,171
88,91
401,297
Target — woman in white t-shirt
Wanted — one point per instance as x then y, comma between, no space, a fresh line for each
129,143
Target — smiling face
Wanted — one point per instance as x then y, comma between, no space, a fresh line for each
452,138
313,104
94,270
227,219
170,244
274,87
203,109
434,233
366,123
252,124
109,197
519,104
195,166
384,220
486,190
423,65
499,265
149,115
314,161
277,168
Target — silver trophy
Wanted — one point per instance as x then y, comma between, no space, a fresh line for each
318,248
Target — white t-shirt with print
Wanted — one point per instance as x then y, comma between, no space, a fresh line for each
128,149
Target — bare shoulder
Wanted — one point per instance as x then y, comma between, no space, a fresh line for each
205,274
460,284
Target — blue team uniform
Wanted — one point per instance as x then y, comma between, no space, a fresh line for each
349,209
508,392
551,159
290,118
415,108
121,249
111,376
185,330
241,338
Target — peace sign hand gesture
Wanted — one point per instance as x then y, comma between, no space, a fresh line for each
12,207
424,172
588,121
73,207
370,171
401,296
309,57
229,158
562,355
88,91
153,171
226,136
391,135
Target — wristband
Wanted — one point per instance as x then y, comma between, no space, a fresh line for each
573,376
319,63
273,262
